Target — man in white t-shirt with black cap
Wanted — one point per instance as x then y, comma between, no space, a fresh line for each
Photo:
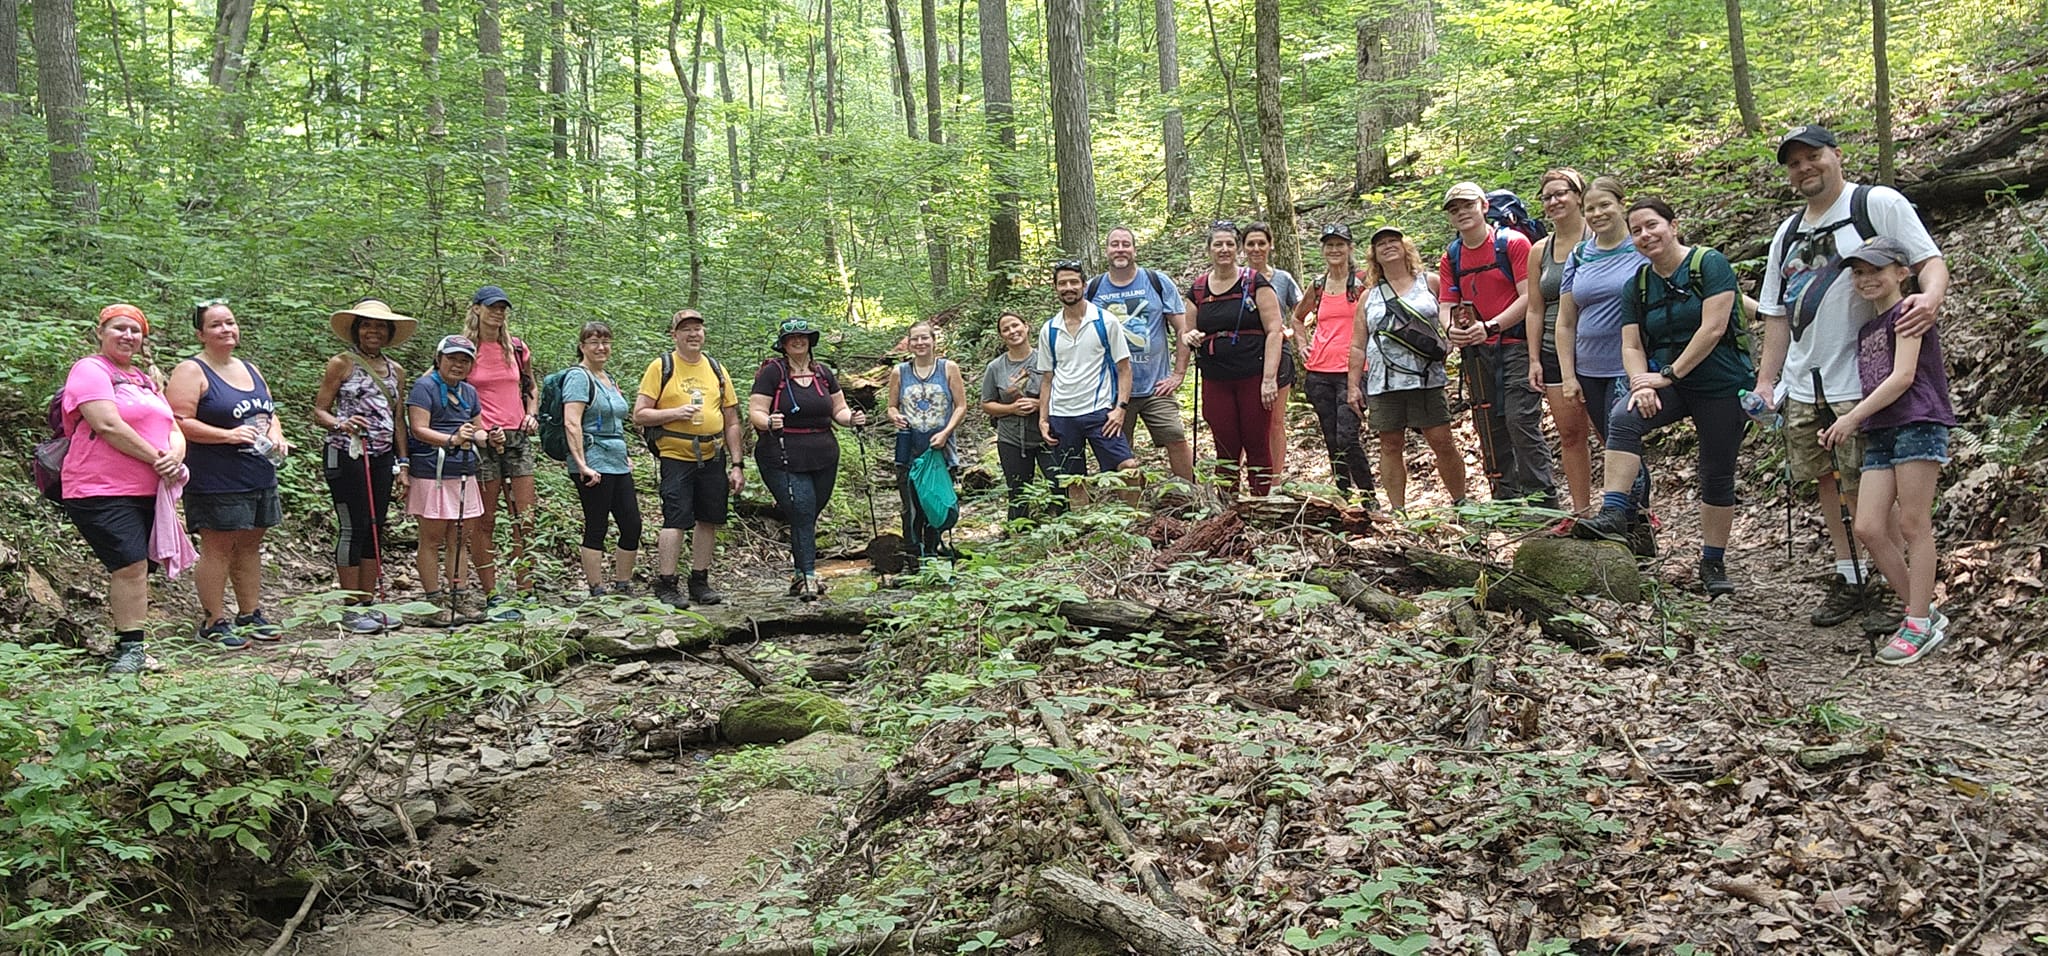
1810,320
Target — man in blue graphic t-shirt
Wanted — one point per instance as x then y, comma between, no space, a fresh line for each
1149,307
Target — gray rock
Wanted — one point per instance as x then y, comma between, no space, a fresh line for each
493,759
532,755
629,671
378,820
1581,567
452,808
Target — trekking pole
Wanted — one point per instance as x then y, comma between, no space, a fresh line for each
370,515
1195,427
1825,414
454,565
867,484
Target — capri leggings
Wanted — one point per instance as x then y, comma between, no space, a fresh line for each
613,499
354,484
1720,422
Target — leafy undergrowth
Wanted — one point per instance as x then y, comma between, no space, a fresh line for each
1310,788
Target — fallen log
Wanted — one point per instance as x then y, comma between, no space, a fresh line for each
1282,511
1070,898
1190,631
1504,590
942,938
1362,597
1144,864
891,797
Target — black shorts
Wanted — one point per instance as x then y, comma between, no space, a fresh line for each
234,510
694,492
1284,378
1553,373
115,527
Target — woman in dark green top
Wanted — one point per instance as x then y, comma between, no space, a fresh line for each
1684,360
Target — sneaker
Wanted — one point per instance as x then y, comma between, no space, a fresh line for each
1714,578
813,589
1642,537
128,658
498,610
1911,643
360,622
1563,527
390,623
259,627
666,592
701,592
599,590
441,616
796,587
222,632
1843,601
1611,524
623,588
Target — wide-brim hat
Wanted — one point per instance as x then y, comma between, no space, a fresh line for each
343,322
795,328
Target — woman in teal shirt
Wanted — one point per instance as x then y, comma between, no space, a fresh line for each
594,415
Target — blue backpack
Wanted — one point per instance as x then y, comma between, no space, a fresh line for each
1101,322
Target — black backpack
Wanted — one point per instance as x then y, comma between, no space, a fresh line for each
1151,275
1859,216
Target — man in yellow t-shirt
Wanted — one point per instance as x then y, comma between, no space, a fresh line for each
692,419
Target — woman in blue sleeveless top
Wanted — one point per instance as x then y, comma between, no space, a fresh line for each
234,445
927,398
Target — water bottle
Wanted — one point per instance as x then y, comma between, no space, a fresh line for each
697,399
1757,408
263,446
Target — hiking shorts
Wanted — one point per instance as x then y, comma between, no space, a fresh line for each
1809,459
1553,372
1417,408
1919,441
1161,415
1078,433
115,527
234,510
516,461
694,492
444,499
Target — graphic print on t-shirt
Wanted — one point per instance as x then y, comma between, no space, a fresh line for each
1812,264
924,403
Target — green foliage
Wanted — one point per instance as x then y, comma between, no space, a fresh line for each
743,771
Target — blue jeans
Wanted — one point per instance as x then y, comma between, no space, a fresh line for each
1605,398
801,495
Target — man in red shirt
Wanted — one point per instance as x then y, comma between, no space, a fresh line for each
1481,285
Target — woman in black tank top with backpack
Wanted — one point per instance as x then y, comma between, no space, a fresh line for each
1236,340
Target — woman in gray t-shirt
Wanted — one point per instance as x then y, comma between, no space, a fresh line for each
1009,394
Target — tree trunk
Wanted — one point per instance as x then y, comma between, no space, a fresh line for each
732,128
1073,154
230,39
61,86
1887,150
688,79
1005,238
830,239
902,66
10,59
1273,137
558,80
639,132
935,234
1229,101
437,139
1171,127
1738,56
1392,52
490,48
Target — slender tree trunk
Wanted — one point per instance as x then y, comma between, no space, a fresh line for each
558,80
1738,55
936,247
1393,90
1273,137
61,86
833,254
732,127
1172,128
121,64
230,38
436,145
831,74
10,59
753,117
902,66
639,130
1072,150
1005,237
1229,94
688,79
490,48
1887,150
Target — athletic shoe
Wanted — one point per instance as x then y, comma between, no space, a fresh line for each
128,658
464,608
360,622
810,589
796,587
441,616
259,627
1563,527
623,588
498,610
222,632
1843,601
1642,536
1611,524
1911,643
1714,578
598,591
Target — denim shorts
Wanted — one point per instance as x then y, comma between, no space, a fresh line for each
1920,441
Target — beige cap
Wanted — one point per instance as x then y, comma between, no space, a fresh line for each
1464,191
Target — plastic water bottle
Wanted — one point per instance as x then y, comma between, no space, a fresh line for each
1758,408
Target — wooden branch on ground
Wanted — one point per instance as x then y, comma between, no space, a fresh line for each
292,925
1269,843
1362,597
1071,898
1144,864
942,938
1278,511
746,667
890,798
1506,591
1479,702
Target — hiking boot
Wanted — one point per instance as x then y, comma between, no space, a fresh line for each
465,608
813,588
624,588
700,589
598,591
796,587
1611,524
1714,578
497,610
1886,612
1642,536
360,622
667,592
222,632
1911,643
1843,601
259,627
129,657
441,616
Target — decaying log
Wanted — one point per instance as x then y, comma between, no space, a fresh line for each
1281,511
1506,591
1479,709
1071,898
941,938
1362,597
736,661
1144,864
1191,631
891,797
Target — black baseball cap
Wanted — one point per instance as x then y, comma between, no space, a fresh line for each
1336,230
1810,135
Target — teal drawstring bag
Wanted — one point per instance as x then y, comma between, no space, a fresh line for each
933,484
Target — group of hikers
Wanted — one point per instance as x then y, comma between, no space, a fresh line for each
1610,320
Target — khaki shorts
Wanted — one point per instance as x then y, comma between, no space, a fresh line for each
1161,415
1417,408
1809,459
516,461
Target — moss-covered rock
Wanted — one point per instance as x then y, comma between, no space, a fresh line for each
1582,567
777,713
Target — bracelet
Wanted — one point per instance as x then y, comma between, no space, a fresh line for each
402,460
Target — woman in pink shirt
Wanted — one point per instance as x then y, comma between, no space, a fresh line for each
124,445
1331,304
504,380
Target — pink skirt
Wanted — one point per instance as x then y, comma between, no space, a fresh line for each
447,499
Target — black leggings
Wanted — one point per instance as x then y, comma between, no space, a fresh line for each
1719,420
611,498
357,537
1020,466
1348,462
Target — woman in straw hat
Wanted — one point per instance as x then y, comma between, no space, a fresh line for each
364,456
